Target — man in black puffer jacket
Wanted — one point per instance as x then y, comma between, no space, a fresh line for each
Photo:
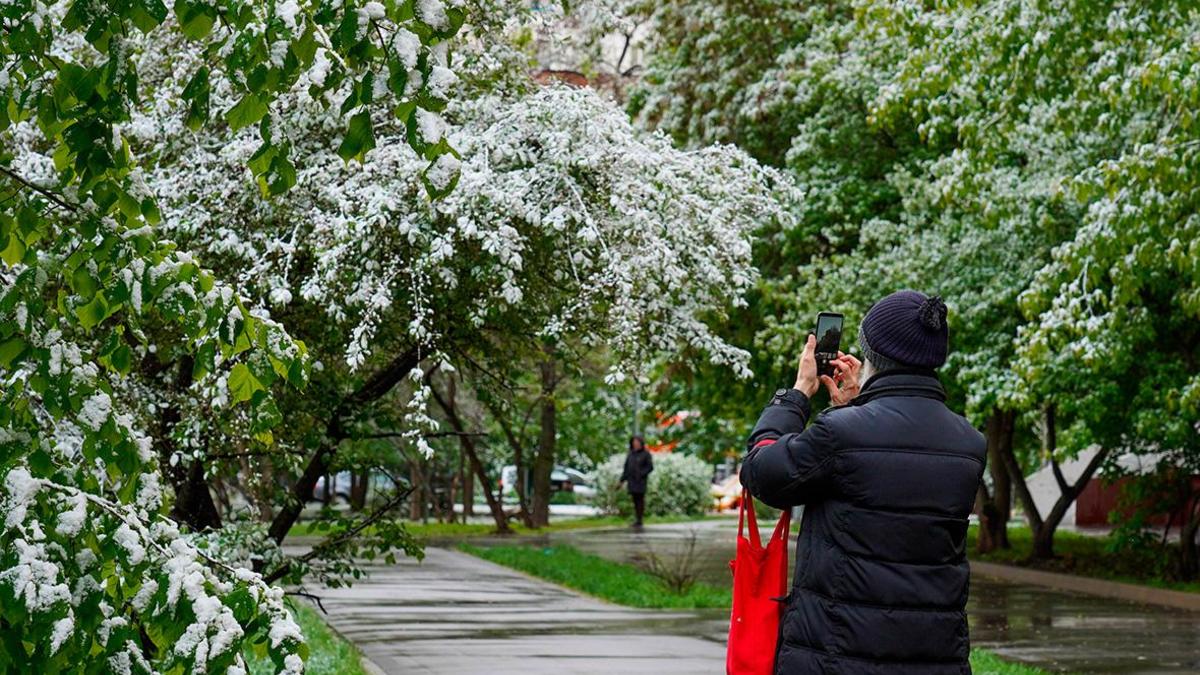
888,478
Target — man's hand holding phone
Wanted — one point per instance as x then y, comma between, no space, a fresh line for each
844,384
806,373
838,373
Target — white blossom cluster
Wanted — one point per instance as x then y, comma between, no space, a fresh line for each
560,206
65,581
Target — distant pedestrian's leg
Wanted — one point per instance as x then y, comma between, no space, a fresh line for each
639,507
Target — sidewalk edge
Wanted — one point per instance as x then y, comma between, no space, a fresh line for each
1092,586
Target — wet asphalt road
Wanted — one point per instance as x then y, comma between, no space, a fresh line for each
458,614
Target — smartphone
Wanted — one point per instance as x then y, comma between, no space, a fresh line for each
829,340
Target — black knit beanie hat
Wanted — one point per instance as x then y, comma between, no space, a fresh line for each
907,329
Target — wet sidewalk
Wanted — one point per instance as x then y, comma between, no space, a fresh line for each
454,613
1052,629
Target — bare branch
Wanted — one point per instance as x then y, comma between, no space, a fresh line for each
48,194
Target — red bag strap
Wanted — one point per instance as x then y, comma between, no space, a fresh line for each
743,510
783,529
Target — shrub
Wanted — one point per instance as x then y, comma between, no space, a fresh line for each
679,486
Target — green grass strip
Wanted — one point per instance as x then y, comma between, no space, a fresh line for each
435,530
1087,556
987,663
328,652
615,582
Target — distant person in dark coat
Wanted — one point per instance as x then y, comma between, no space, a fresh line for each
888,476
638,466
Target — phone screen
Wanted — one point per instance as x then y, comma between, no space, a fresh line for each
829,333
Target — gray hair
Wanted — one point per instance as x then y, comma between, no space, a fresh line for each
873,361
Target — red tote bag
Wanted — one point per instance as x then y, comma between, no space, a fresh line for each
759,583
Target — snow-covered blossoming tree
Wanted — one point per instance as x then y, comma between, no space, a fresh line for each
566,225
1031,162
92,575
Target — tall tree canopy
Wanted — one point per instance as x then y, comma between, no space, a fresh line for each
1031,163
242,231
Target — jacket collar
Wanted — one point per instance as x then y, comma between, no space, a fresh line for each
901,382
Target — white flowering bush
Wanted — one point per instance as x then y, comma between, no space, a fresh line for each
94,300
680,485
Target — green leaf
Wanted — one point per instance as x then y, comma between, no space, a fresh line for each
242,605
247,111
205,360
148,14
14,251
83,283
150,211
91,314
359,139
196,20
197,94
10,350
242,383
283,175
121,359
405,111
80,82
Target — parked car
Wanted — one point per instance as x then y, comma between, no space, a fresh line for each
581,484
562,479
340,485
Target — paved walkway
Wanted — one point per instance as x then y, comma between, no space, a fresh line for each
454,613
1053,629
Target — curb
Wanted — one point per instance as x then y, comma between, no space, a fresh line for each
1091,586
370,666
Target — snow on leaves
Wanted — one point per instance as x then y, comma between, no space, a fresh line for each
91,296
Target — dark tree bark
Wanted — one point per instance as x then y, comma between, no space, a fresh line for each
985,507
194,504
416,500
447,404
1189,560
543,462
517,447
468,487
995,506
261,491
372,390
1043,529
359,482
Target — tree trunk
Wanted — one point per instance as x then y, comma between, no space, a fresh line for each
426,490
193,504
995,507
372,390
264,489
359,483
1189,560
543,462
1043,530
517,447
985,507
447,404
417,497
468,491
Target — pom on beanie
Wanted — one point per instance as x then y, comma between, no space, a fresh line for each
932,313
